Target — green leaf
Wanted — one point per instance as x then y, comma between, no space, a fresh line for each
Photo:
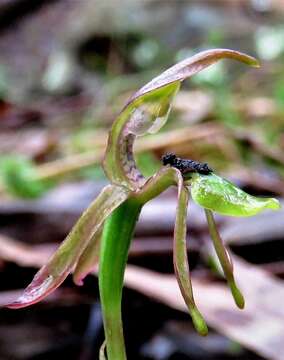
147,111
19,176
217,194
62,262
148,163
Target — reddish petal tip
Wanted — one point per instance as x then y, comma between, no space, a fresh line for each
78,282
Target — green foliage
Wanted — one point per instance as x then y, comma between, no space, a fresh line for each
215,76
269,42
147,163
19,176
224,107
93,173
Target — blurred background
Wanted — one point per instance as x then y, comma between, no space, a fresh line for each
67,67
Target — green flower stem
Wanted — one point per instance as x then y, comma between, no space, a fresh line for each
224,259
116,238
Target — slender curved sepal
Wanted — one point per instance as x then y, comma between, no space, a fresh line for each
147,111
181,260
217,194
164,178
190,66
62,262
224,259
88,259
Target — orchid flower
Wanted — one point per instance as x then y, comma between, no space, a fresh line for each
110,220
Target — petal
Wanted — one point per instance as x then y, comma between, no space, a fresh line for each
224,259
88,259
102,355
63,260
217,194
147,111
181,260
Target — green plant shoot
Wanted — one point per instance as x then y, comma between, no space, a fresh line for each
110,220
